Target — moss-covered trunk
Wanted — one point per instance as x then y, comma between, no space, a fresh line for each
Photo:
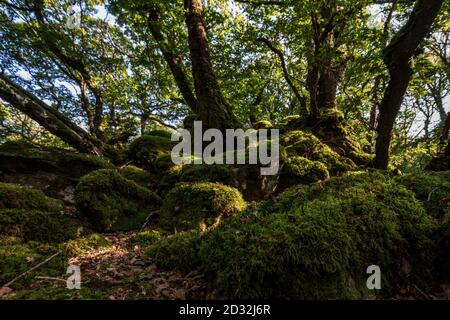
50,118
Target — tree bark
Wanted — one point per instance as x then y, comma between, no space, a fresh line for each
397,56
49,118
174,62
213,110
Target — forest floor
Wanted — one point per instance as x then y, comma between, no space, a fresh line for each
118,271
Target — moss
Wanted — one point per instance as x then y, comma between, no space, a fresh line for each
307,145
167,183
79,164
164,164
317,241
207,173
32,225
25,157
138,175
16,197
299,170
85,244
263,124
111,203
199,205
17,257
146,238
160,133
432,188
144,151
178,252
442,263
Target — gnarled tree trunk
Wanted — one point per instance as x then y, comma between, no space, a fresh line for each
49,118
213,110
397,56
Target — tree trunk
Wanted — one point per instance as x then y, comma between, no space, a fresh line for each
397,57
174,62
213,110
49,118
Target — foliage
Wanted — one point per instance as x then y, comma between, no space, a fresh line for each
199,205
110,202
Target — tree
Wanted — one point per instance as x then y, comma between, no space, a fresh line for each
397,57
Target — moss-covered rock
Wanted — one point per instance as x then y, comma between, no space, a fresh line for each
432,188
144,151
307,145
160,133
17,197
110,202
51,170
146,238
263,124
23,157
207,173
32,225
139,176
178,252
317,241
85,244
297,170
199,205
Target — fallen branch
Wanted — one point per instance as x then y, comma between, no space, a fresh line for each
32,269
153,213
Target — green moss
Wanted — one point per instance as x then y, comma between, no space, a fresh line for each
138,175
160,133
85,244
199,205
317,241
263,124
307,145
24,156
78,164
306,170
432,188
167,183
111,203
17,256
207,173
32,225
178,252
146,238
144,151
16,197
164,164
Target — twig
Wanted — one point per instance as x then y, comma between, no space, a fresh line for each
422,293
148,219
50,278
33,268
